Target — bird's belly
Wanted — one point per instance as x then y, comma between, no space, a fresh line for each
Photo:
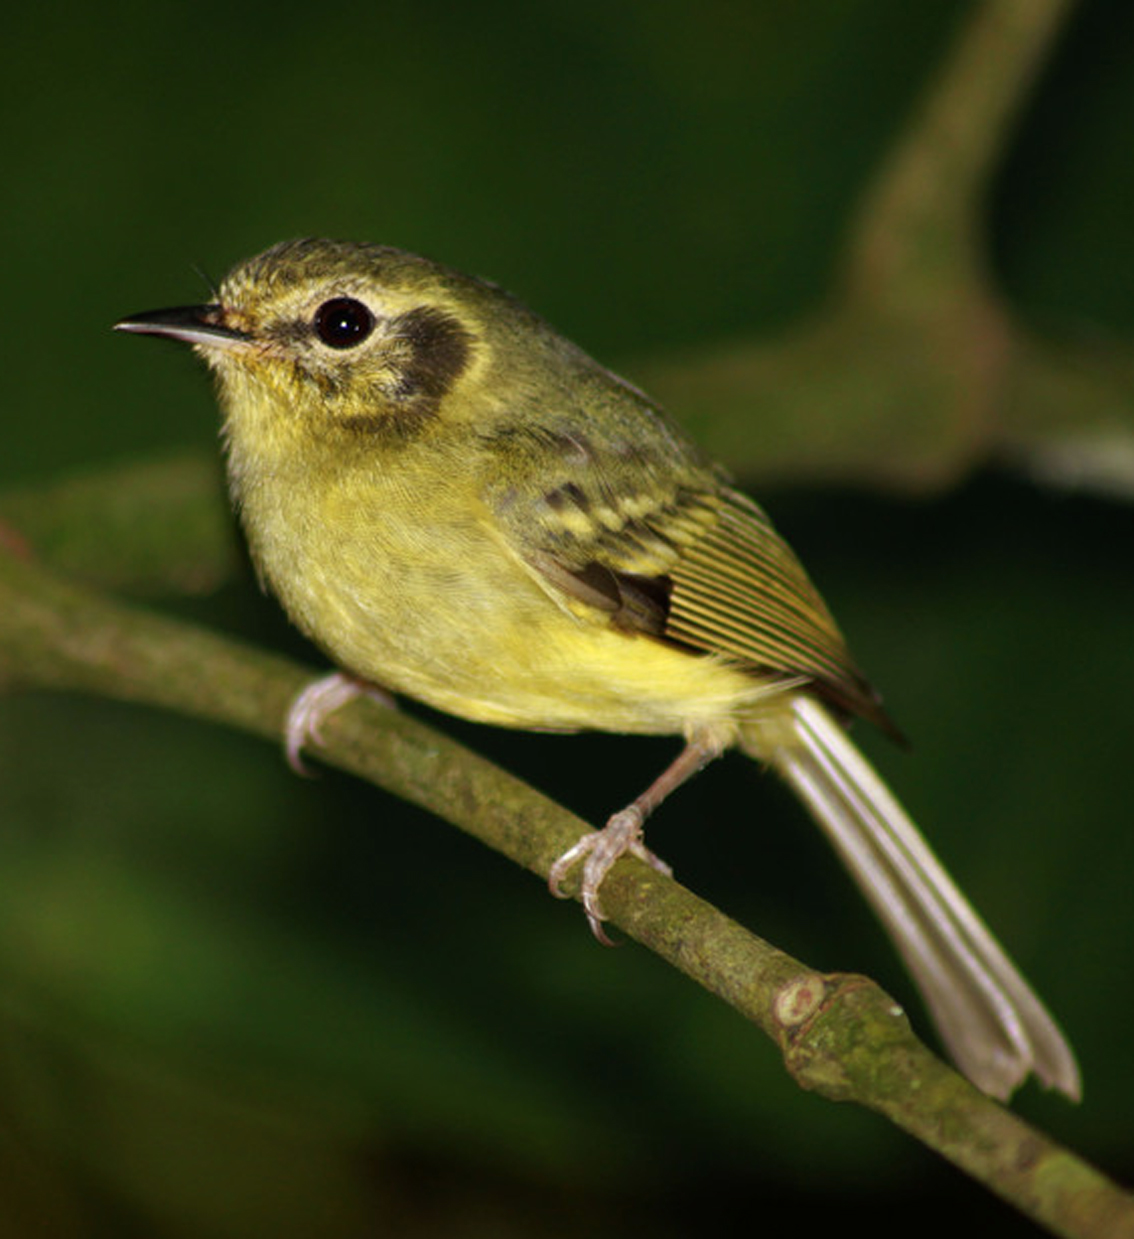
476,636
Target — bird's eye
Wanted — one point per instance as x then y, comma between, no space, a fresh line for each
343,322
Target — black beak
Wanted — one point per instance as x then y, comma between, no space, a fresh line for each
195,324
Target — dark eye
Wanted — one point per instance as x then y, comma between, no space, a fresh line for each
343,322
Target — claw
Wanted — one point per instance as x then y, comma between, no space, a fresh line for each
600,851
320,699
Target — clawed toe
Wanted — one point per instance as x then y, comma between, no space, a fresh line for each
600,851
310,709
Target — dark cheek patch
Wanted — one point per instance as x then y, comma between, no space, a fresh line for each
438,351
427,350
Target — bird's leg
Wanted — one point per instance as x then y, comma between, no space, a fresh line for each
314,704
622,834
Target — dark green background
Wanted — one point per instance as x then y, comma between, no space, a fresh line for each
233,1002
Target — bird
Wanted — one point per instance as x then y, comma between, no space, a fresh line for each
459,505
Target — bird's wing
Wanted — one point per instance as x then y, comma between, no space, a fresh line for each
651,541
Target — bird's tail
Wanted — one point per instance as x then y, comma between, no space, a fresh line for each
995,1027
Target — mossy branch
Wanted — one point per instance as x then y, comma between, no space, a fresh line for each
912,324
840,1035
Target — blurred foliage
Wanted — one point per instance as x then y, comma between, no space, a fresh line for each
236,1002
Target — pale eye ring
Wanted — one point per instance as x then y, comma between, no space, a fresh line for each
343,322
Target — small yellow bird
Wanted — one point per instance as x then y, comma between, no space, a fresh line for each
458,504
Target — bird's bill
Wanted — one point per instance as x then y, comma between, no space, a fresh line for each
195,324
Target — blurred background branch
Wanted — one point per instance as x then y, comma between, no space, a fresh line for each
917,371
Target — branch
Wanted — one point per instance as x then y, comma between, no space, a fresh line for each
840,1035
151,527
916,371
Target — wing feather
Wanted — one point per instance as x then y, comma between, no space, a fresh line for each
740,591
659,544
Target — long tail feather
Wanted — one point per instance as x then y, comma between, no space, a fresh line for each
994,1026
